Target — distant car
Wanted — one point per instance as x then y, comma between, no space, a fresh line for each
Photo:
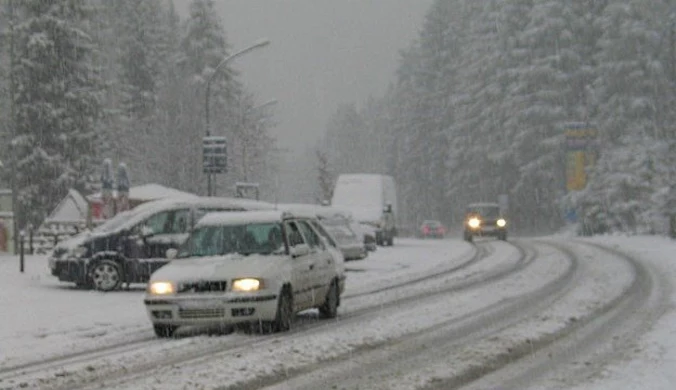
324,212
349,242
484,219
432,228
258,267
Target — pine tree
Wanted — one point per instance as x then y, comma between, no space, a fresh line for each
56,104
635,116
203,47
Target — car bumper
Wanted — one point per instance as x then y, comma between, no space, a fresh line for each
486,231
353,253
432,235
222,309
72,270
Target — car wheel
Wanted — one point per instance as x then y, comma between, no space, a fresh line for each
164,331
330,307
468,237
503,236
106,276
282,322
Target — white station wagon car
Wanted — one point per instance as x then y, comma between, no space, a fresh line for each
257,267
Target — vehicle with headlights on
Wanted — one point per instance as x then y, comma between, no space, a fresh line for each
484,219
258,267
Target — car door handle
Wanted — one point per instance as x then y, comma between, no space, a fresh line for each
312,266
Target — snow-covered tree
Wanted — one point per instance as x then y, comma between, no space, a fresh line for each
635,95
56,104
203,47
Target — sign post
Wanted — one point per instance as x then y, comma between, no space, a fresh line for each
582,147
214,158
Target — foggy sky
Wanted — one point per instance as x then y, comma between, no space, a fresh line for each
322,53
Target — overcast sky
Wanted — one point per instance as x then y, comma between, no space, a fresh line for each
322,53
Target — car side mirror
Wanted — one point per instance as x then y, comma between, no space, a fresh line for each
147,231
300,250
172,253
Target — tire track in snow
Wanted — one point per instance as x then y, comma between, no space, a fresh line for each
130,374
581,350
146,338
370,367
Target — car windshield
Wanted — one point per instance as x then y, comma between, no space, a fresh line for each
484,211
432,224
342,234
115,222
245,239
334,221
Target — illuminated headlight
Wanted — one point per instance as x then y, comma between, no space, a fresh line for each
161,288
474,223
501,222
247,284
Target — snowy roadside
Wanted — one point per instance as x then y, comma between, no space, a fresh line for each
341,338
650,364
43,317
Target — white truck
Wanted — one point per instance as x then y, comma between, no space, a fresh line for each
372,199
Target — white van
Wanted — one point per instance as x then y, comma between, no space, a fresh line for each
372,199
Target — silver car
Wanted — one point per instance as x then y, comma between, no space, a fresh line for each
350,243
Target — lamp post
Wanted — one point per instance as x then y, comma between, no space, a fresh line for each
12,120
261,43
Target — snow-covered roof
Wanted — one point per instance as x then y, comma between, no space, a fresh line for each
362,194
238,218
131,217
72,209
150,191
315,210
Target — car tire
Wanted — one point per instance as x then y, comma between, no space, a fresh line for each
503,236
468,237
164,331
284,316
106,276
330,307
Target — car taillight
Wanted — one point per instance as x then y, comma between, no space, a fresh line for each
440,230
426,229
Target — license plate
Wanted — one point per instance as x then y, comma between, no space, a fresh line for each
197,304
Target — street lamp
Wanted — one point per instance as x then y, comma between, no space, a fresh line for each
261,43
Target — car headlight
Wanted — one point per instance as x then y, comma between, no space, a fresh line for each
247,284
501,222
161,288
474,223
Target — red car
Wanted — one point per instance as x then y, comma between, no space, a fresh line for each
432,228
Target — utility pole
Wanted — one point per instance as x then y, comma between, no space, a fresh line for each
12,124
256,45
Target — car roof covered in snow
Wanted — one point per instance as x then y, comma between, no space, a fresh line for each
245,217
315,210
131,217
240,217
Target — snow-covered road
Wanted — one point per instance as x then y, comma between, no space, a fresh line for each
423,314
